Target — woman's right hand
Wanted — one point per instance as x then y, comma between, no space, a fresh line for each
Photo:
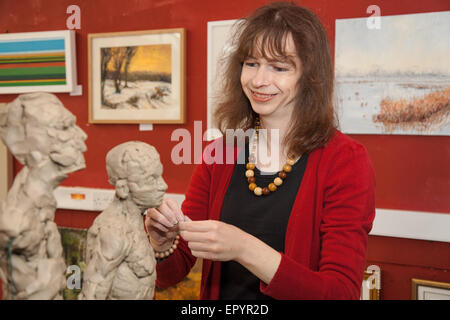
161,224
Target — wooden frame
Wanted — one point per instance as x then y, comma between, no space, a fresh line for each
137,77
6,168
38,61
429,290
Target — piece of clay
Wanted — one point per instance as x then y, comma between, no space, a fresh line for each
120,261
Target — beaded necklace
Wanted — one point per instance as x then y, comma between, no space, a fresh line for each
250,173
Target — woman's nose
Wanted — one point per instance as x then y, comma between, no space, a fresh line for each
261,77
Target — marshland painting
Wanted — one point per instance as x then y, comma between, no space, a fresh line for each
395,79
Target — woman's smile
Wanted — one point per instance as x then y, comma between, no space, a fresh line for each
262,97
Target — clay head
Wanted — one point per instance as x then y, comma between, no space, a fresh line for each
36,127
135,169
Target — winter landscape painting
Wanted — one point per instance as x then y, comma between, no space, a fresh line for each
394,79
137,77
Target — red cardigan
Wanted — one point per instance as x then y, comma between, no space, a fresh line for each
326,236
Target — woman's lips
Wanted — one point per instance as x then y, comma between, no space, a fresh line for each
262,97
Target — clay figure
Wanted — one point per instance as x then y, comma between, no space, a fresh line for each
120,261
43,136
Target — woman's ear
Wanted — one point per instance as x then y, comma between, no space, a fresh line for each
122,190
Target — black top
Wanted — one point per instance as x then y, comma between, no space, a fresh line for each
265,217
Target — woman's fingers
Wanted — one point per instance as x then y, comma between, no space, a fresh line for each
173,206
196,236
167,212
159,226
198,226
157,216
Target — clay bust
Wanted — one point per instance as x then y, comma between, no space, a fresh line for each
42,134
120,261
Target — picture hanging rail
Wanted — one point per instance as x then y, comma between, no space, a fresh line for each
38,61
137,77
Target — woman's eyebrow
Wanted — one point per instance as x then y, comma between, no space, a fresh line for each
284,60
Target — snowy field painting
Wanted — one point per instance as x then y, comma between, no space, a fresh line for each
395,79
137,77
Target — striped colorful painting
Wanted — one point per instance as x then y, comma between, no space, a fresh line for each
33,62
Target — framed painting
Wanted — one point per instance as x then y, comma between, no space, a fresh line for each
429,290
37,61
137,77
395,79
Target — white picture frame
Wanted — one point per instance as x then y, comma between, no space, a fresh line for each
38,61
219,40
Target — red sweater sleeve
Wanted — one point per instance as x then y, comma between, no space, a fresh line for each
347,213
173,269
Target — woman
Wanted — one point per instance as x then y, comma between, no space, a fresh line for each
300,233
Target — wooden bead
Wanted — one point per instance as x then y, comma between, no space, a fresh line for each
290,162
282,175
257,191
251,180
250,166
278,181
287,168
252,186
272,187
265,191
249,173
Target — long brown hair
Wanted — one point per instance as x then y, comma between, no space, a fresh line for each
265,30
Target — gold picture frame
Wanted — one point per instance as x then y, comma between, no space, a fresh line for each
137,77
429,290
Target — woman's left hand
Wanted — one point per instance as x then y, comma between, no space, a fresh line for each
213,240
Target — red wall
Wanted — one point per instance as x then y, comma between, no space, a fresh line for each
412,171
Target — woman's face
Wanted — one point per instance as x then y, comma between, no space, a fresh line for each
271,84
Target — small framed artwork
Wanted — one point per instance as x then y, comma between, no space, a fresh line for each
137,77
38,61
429,290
